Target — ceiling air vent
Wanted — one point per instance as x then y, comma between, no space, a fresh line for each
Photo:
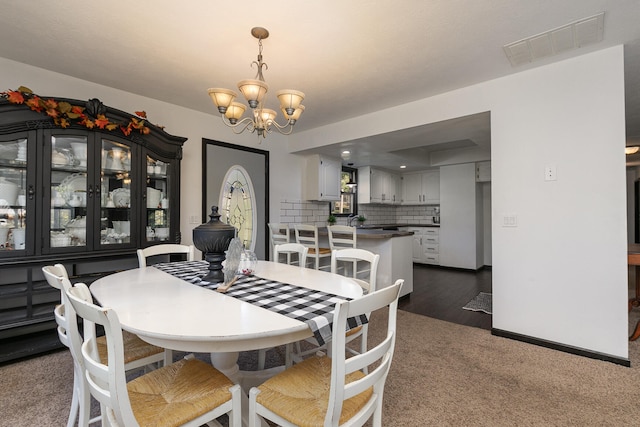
571,36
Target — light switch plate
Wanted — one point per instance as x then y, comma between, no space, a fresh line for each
550,173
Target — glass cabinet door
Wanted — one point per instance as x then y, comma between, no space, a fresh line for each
157,201
14,193
115,193
68,181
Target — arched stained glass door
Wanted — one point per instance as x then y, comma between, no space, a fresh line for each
238,202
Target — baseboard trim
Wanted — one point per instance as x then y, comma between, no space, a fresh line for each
561,347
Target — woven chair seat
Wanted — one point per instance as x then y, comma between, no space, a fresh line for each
353,331
300,394
178,393
320,250
135,348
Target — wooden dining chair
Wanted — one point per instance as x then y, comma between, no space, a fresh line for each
137,352
307,235
186,393
332,391
165,249
368,285
279,234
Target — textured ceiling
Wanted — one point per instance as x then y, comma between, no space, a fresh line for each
349,57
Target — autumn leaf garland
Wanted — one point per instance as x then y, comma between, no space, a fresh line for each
64,114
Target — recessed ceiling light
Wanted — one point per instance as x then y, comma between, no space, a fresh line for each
346,152
403,166
631,150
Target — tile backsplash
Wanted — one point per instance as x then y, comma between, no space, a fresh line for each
316,213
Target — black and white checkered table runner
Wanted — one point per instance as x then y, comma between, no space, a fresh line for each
315,308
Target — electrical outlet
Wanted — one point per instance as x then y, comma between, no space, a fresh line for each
193,219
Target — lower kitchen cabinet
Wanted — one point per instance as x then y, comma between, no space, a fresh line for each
426,245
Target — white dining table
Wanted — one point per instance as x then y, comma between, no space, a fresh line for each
172,313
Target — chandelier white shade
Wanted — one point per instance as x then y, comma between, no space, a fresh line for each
262,120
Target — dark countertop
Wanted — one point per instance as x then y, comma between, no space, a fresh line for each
372,233
370,226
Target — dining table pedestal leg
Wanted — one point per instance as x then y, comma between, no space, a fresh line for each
227,363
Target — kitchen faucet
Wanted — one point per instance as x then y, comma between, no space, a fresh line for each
350,219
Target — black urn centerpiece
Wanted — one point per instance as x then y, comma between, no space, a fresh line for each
213,239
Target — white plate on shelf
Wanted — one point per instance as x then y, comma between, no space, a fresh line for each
71,184
121,197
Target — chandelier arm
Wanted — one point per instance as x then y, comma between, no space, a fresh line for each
283,129
244,124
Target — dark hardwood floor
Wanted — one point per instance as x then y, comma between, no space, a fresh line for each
442,292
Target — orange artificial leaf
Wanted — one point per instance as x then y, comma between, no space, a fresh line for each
52,112
142,114
88,124
15,97
126,130
76,109
112,126
50,104
35,104
62,122
101,121
145,130
73,116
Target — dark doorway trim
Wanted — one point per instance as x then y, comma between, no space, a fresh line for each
206,209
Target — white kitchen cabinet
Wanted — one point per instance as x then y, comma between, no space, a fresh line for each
378,186
483,171
412,189
322,178
421,188
425,248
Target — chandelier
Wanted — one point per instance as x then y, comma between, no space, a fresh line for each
263,120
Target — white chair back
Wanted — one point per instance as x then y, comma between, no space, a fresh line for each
290,249
108,382
279,234
381,353
165,249
364,388
307,235
342,236
57,277
355,255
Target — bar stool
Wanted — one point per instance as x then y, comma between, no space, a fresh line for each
307,235
278,235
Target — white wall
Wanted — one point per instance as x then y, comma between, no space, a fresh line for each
553,277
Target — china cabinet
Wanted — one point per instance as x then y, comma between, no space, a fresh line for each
81,196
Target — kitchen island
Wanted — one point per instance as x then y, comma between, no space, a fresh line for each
395,250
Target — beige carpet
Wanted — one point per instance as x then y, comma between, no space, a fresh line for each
443,374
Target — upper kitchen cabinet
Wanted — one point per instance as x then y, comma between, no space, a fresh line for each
378,186
322,178
483,171
421,188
